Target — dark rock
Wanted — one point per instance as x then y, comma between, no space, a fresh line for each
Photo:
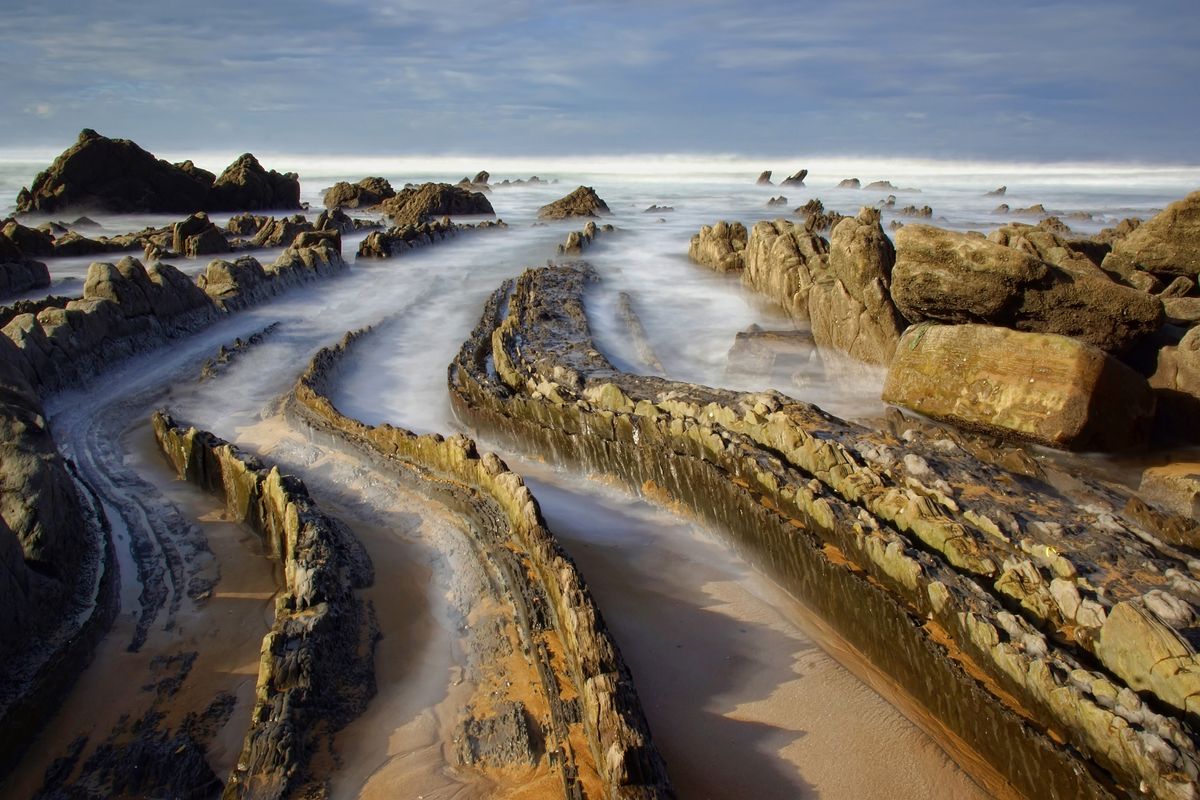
1001,209
420,204
659,210
924,212
764,178
997,192
364,194
583,202
198,236
282,232
796,179
246,224
850,183
246,186
775,202
29,242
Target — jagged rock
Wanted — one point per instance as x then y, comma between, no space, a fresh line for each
340,221
246,186
1037,210
850,183
816,217
849,305
796,179
764,178
656,209
28,242
719,246
364,194
889,201
583,202
1049,246
578,240
1168,242
1045,388
958,278
1144,282
394,241
999,192
74,244
246,224
198,236
882,186
1118,232
1054,225
117,175
1175,487
781,260
282,232
775,202
420,204
1001,209
924,212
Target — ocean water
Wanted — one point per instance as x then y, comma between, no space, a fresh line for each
741,689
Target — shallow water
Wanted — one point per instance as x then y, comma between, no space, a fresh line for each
744,695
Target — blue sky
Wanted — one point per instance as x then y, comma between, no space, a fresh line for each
1096,80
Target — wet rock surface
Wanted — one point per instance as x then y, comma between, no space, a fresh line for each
1032,617
1168,242
316,672
594,694
364,194
420,204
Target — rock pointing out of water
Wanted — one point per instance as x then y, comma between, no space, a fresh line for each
796,179
420,204
364,194
764,178
117,175
583,202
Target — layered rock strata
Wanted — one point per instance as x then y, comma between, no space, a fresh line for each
605,717
316,671
416,205
1039,625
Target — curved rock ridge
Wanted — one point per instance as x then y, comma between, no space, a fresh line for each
117,175
127,307
395,241
317,670
1043,627
507,520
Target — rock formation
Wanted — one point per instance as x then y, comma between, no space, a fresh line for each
1041,387
850,183
198,236
420,204
764,178
795,179
958,278
394,241
583,202
117,175
1034,629
18,273
577,241
1168,243
720,247
998,192
364,194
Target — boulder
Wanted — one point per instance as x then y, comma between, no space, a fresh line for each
816,217
657,209
1175,487
959,278
881,186
796,179
782,260
1168,242
1040,387
583,202
282,232
1176,382
1182,286
246,186
719,246
998,192
364,194
775,202
1183,311
419,204
849,305
29,242
198,236
1048,246
764,178
1054,224
246,224
1118,232
924,212
850,183
19,275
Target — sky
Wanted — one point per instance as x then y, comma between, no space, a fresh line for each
1098,80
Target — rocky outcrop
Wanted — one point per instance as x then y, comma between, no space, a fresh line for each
776,202
1175,487
998,192
396,241
764,178
720,247
1176,382
246,186
583,202
116,175
282,232
987,594
577,241
795,179
850,183
198,236
420,204
816,218
17,272
1040,387
849,304
592,698
364,194
1167,243
959,278
1074,257
924,212
317,671
340,221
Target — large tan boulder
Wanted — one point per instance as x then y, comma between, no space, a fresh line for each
1048,246
1145,650
419,204
1044,388
965,278
781,261
583,202
1176,381
719,246
364,194
1175,487
1168,242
